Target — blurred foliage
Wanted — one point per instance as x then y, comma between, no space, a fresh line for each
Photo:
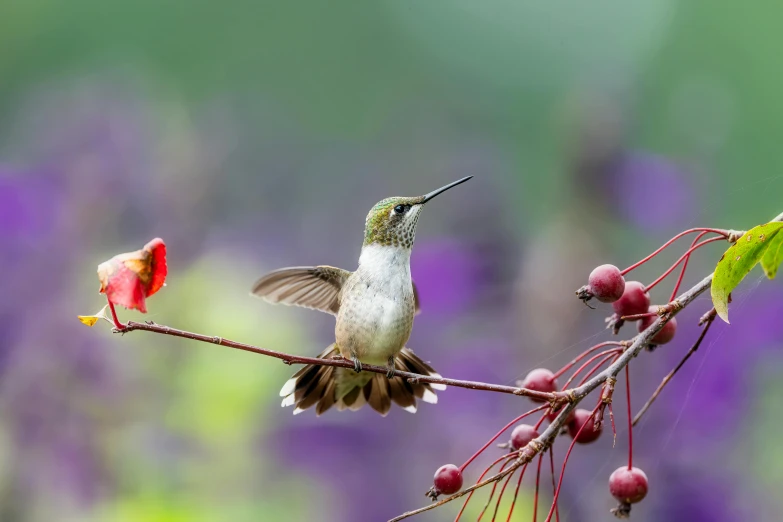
251,135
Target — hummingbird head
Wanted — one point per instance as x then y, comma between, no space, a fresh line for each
392,221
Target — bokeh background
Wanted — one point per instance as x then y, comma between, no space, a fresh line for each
255,135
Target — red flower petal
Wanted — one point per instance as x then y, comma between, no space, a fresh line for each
127,279
158,269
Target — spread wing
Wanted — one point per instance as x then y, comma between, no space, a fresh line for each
316,287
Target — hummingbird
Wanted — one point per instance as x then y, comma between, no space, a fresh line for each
374,308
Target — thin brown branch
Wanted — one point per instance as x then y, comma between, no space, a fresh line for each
708,319
341,363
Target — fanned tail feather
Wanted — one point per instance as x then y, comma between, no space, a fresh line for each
327,386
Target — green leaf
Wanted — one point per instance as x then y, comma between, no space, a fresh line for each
773,256
740,259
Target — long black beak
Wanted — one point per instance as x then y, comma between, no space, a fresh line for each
425,198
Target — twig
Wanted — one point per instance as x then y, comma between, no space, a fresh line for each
341,363
708,319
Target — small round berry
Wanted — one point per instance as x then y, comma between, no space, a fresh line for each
448,479
521,435
588,433
634,300
628,485
606,283
541,380
667,332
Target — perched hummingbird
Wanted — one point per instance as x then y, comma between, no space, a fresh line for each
374,306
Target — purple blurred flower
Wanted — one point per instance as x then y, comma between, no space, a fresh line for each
78,469
447,276
716,385
363,479
696,497
653,192
29,206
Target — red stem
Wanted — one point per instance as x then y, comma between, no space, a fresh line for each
682,257
634,317
584,354
535,498
585,365
610,357
117,324
514,500
684,267
630,416
614,430
552,468
503,490
498,434
723,233
465,504
565,461
492,493
540,421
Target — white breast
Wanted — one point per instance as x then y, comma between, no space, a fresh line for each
378,306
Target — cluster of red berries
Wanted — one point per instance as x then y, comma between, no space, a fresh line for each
607,284
581,426
627,484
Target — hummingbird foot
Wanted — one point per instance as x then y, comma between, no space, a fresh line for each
357,364
390,368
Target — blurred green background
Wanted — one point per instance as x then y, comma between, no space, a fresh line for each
255,135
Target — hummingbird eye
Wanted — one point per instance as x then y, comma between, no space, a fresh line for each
401,209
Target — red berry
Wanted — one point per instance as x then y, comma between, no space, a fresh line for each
521,435
588,433
606,283
634,300
667,332
541,380
628,485
448,479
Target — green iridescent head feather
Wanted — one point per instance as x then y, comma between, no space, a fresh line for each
384,227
